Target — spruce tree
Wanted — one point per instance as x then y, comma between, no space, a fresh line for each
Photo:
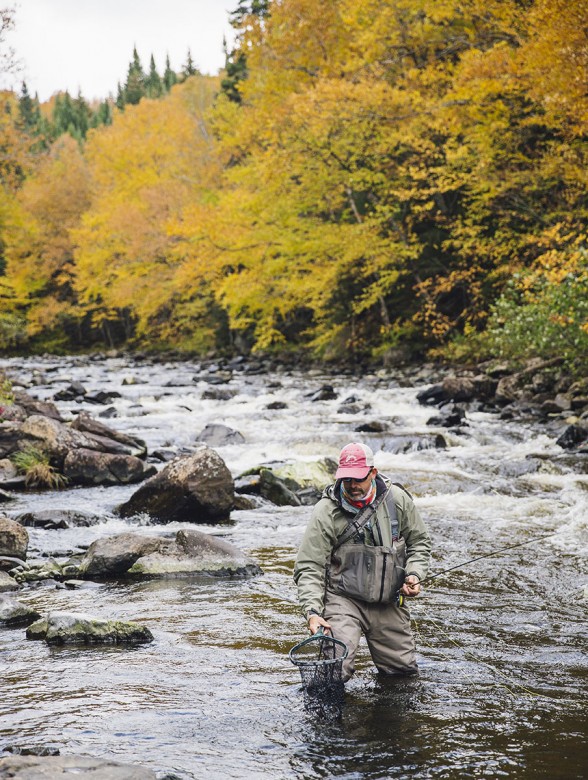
189,69
82,115
28,108
153,83
169,77
120,97
135,84
236,60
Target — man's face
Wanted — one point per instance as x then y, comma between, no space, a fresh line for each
359,487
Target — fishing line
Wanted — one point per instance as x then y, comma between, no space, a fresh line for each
487,555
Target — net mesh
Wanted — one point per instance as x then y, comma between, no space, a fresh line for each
320,662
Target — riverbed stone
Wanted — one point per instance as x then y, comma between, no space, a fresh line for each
61,628
195,553
87,467
53,767
7,583
129,445
58,519
15,613
114,555
197,488
14,539
218,435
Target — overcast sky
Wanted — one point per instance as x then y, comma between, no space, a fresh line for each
88,44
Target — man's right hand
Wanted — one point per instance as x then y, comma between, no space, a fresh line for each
315,622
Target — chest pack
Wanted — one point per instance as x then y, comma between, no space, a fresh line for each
370,573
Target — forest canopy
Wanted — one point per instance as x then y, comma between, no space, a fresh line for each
364,178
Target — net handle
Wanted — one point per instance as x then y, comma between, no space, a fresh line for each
320,634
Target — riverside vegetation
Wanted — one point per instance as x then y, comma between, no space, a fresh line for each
364,180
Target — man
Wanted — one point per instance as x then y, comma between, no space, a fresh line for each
364,549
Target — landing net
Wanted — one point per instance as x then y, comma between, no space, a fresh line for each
320,661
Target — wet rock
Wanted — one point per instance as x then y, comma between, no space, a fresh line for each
7,583
217,435
218,394
275,405
431,396
248,483
325,393
88,467
33,750
54,767
14,613
107,438
450,418
561,403
5,497
58,518
54,437
102,397
108,413
197,488
194,553
413,443
275,489
375,426
9,476
32,406
70,393
113,556
64,628
573,436
14,540
243,503
458,388
38,571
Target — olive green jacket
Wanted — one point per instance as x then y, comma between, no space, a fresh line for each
327,523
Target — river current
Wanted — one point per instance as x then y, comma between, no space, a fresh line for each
501,643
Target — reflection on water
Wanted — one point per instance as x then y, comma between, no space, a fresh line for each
502,643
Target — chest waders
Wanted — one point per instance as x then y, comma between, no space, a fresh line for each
371,573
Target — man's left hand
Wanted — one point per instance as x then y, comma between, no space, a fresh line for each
412,586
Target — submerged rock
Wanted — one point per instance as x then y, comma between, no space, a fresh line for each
61,628
197,488
58,518
217,435
53,767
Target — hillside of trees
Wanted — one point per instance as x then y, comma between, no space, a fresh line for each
364,179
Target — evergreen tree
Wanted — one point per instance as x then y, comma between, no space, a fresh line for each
169,77
153,83
102,115
82,115
135,84
189,69
30,113
120,97
236,60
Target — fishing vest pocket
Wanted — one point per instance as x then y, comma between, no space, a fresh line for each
370,574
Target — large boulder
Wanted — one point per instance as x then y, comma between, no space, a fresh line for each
129,445
195,553
189,553
114,555
54,437
14,541
65,628
82,466
197,488
55,767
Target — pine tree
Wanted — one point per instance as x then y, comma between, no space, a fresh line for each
135,84
169,77
236,59
82,115
102,115
30,113
189,69
120,97
153,83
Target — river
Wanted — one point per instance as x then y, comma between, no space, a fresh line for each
501,643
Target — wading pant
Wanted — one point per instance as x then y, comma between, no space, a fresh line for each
386,628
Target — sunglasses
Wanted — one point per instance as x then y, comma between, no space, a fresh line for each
357,479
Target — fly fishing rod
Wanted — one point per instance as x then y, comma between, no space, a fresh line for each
487,555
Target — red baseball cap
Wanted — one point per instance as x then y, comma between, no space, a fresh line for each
355,460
